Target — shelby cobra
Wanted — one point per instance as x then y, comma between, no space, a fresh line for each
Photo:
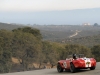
76,62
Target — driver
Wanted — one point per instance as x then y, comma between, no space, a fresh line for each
74,56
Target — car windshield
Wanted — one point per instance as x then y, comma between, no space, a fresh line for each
81,55
77,56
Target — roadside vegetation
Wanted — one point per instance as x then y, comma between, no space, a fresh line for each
27,45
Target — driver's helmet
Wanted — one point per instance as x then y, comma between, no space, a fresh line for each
74,56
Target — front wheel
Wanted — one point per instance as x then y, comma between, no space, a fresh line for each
59,68
92,68
72,68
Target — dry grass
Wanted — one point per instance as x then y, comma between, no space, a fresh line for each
16,61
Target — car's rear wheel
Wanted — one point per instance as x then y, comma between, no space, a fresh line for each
72,68
59,68
92,68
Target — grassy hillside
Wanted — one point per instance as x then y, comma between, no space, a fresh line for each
86,35
86,41
54,32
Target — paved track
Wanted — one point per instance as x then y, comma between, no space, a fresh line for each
54,72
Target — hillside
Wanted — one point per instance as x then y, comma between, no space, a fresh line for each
84,35
74,34
25,49
54,32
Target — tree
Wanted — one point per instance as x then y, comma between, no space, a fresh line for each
95,24
33,31
52,52
77,49
26,47
5,51
96,52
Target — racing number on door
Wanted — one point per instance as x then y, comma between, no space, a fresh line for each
65,64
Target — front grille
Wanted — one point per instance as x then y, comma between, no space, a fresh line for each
87,62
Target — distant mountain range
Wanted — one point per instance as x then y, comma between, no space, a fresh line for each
65,17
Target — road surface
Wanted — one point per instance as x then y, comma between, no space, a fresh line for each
75,34
54,72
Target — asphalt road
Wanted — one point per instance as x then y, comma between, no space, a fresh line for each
54,72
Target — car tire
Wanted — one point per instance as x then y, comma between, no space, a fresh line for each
72,68
92,68
59,68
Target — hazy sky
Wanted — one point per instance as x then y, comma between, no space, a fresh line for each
24,11
46,5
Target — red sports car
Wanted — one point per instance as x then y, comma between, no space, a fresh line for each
75,62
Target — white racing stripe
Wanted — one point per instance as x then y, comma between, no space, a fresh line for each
65,64
87,62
